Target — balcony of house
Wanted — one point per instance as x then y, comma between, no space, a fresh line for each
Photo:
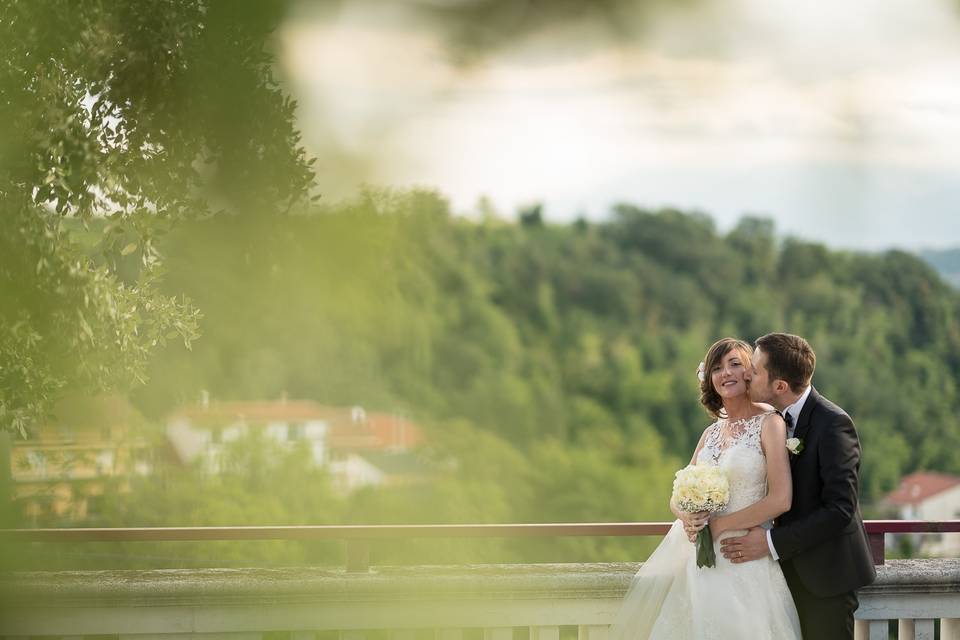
912,598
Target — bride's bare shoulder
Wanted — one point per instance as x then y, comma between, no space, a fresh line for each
769,414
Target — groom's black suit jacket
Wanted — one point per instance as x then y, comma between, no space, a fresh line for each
822,534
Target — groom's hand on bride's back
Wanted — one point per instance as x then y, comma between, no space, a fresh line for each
751,546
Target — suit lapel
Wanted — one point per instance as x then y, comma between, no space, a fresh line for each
803,421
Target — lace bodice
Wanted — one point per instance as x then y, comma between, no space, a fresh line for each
735,447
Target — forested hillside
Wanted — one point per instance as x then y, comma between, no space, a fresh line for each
554,362
580,332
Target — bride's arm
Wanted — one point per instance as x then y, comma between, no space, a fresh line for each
773,439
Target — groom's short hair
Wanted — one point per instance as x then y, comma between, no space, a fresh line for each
789,358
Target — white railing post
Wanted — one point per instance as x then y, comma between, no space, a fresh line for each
905,629
923,629
545,633
498,633
908,629
593,631
950,629
879,630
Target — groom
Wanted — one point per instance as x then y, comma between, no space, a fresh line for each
820,542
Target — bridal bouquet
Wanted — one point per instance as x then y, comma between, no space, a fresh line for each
702,488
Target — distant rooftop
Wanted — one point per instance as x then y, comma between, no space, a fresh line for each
261,411
351,428
921,485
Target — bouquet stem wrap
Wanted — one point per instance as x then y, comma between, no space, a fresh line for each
706,556
697,488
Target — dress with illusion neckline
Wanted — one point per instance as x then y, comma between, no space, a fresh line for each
670,598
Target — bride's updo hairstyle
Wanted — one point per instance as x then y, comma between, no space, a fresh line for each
709,397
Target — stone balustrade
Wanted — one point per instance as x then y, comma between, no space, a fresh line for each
464,602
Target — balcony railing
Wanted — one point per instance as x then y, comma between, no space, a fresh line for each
462,602
358,538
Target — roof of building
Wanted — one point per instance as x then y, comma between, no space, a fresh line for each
352,437
350,428
260,411
919,486
394,431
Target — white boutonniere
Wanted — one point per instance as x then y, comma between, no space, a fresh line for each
794,445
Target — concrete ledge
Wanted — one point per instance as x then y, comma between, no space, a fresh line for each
246,603
317,584
940,575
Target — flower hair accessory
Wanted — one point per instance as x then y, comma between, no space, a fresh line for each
702,372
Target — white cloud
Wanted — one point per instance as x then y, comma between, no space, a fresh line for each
797,110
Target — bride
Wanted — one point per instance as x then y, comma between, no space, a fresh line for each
669,597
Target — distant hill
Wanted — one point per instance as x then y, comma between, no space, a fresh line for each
946,261
584,335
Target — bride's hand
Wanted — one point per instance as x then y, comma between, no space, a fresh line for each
693,522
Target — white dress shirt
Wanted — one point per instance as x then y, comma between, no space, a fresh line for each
794,411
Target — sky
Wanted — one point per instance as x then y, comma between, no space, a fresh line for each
840,122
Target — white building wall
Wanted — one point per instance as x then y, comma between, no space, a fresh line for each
315,432
354,472
186,441
234,432
277,431
942,506
190,443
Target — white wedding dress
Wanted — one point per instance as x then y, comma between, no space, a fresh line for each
671,599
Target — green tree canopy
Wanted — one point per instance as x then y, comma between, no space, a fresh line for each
121,118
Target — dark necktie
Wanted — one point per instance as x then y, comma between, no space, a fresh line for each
789,420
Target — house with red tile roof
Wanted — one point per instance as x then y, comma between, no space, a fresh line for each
926,495
202,431
358,448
